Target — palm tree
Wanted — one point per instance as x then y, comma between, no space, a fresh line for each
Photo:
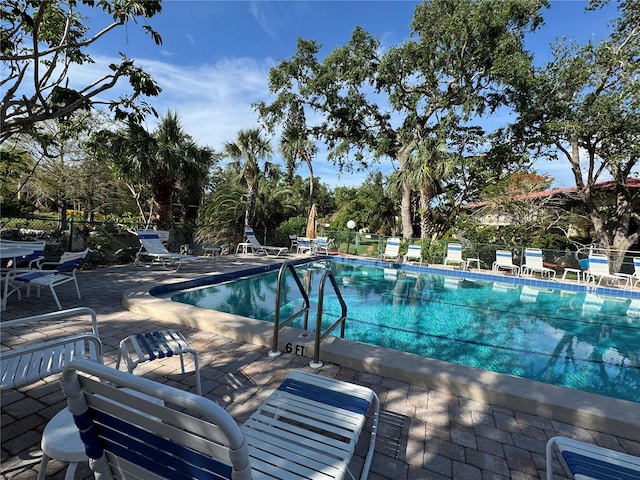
296,146
167,160
250,147
219,218
428,166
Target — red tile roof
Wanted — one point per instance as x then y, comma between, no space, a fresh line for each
631,183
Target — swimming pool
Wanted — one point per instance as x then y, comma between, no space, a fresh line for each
571,338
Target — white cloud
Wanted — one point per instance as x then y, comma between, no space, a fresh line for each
213,102
262,15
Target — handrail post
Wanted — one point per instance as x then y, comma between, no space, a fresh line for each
319,336
274,352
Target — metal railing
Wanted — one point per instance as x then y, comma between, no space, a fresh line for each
319,335
316,363
277,324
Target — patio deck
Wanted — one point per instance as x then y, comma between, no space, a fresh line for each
423,433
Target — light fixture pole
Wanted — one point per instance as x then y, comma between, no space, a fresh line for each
350,225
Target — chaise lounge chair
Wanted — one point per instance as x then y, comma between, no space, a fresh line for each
599,269
305,245
504,261
392,249
50,349
322,245
590,462
454,255
293,239
259,248
308,428
151,246
533,264
414,254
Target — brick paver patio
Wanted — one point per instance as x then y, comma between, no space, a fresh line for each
423,433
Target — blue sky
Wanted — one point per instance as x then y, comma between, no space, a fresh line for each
216,55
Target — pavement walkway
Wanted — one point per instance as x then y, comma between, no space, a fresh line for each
423,433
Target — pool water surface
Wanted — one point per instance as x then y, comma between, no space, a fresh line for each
574,339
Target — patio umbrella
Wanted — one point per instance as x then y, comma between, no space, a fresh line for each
311,222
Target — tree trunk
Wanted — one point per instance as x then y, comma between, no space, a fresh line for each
586,193
163,195
620,241
62,214
251,206
405,205
424,218
310,167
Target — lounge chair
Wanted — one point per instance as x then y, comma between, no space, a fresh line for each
454,255
585,461
504,261
151,246
599,269
322,245
305,245
392,249
47,355
533,264
414,254
65,271
293,239
307,428
259,248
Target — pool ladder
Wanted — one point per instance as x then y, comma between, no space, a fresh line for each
319,335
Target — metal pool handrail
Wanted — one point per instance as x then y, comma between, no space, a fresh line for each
316,363
277,325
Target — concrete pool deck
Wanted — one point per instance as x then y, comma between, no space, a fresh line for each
425,431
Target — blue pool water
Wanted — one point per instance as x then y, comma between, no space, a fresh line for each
573,339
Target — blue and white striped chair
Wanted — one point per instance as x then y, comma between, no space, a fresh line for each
590,462
151,246
414,254
599,269
307,428
149,346
64,272
533,263
454,255
504,260
392,249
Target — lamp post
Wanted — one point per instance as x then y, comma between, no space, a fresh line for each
350,225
